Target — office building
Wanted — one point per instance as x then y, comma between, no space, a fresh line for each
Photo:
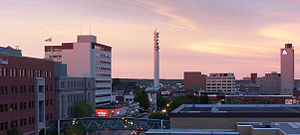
287,69
270,83
247,87
72,89
221,83
26,94
194,81
86,58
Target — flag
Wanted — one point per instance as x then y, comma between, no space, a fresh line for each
48,40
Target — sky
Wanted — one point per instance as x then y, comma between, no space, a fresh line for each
209,36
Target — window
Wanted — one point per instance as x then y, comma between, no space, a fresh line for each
41,88
16,123
46,102
25,122
5,107
11,124
2,126
47,117
32,120
24,105
29,120
6,125
50,102
16,89
24,88
32,103
16,106
1,108
21,122
29,104
21,105
11,107
51,116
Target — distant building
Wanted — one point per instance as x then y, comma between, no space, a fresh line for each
221,83
247,87
87,58
254,77
26,94
226,116
127,109
194,81
270,83
287,69
10,51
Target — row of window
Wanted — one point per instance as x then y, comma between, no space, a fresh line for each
22,89
76,84
14,72
14,107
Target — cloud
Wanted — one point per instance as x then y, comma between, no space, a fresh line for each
283,31
177,21
228,49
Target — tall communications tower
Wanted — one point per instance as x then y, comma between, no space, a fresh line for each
156,59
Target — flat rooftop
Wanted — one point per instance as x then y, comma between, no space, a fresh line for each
290,128
237,110
192,132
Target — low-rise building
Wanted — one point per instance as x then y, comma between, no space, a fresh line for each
127,109
221,83
270,83
72,89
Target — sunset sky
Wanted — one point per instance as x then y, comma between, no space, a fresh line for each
195,35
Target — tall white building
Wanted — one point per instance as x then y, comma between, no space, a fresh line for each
221,83
87,58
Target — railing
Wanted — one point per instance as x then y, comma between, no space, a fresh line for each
114,123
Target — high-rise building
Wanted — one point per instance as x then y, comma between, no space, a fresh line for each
86,58
26,94
221,83
287,69
194,81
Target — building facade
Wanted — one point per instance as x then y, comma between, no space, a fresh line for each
10,51
221,83
194,80
287,69
87,58
26,94
72,89
270,83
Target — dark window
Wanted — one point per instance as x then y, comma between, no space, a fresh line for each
16,106
32,104
1,89
6,125
24,88
25,122
46,102
50,102
47,117
29,104
24,105
5,107
16,123
51,116
16,89
2,126
11,124
50,88
29,120
21,89
1,108
21,122
5,89
21,105
11,89
32,120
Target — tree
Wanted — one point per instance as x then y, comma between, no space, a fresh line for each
82,109
13,131
161,102
158,115
203,99
178,101
142,97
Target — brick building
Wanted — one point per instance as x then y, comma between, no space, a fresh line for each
26,94
194,80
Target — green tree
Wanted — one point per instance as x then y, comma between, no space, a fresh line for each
82,109
76,130
141,97
178,101
158,115
161,102
13,131
203,99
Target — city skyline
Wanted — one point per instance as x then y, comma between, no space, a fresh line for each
208,36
